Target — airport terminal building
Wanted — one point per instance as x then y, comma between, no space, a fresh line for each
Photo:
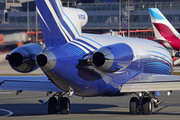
104,15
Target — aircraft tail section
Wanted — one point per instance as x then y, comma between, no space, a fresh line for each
56,22
162,27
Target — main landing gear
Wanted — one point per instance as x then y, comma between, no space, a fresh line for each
143,103
62,104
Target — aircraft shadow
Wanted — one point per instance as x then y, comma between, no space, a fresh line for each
166,106
38,109
95,109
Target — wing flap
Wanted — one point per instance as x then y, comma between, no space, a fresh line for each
32,83
152,82
139,87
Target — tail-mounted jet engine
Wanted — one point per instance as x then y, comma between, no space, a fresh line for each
113,58
46,60
22,59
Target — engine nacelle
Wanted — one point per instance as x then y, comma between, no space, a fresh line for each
22,59
113,58
46,60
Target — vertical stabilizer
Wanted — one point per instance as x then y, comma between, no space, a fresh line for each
56,22
162,27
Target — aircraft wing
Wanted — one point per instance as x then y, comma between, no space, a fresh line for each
152,82
32,83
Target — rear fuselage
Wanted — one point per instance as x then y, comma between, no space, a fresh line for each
72,71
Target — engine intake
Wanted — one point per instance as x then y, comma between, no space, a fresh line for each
22,59
113,58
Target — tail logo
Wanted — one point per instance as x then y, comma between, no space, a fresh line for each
81,16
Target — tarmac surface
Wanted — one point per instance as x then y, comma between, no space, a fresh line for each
25,106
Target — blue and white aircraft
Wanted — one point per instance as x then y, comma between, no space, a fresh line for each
89,65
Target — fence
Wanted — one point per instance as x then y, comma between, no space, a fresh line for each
139,33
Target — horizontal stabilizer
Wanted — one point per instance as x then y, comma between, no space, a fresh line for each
32,83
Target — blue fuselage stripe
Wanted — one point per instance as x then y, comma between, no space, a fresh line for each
86,43
161,54
81,46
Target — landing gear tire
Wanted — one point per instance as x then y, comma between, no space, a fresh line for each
133,105
65,105
52,105
147,106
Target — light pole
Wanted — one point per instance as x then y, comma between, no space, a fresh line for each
128,20
28,15
36,26
119,15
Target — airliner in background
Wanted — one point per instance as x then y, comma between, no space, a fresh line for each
89,65
165,33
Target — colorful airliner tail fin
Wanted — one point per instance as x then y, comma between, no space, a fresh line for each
162,27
